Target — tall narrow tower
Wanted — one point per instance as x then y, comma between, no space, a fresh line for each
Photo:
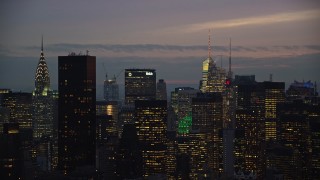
213,77
77,114
42,100
111,89
206,64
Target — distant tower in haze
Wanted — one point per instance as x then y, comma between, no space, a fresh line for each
42,100
111,89
161,90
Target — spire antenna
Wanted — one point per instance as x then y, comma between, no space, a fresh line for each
230,72
42,43
230,56
209,44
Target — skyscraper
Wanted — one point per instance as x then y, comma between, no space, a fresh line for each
151,123
249,135
293,127
129,157
77,114
109,108
207,120
42,100
181,100
11,155
20,105
140,84
213,77
111,89
274,93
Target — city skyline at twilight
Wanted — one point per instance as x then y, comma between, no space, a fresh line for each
278,38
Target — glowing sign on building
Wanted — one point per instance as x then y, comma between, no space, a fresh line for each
149,73
185,125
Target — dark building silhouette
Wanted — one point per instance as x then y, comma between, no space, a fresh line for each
300,90
77,114
129,156
140,84
161,90
293,128
107,138
11,157
126,116
314,123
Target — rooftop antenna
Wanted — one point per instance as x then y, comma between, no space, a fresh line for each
230,72
42,43
104,68
230,58
270,78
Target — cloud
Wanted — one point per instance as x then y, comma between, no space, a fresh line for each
248,21
156,51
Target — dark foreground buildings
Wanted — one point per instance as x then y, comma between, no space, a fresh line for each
77,115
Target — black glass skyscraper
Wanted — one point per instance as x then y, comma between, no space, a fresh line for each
77,126
140,84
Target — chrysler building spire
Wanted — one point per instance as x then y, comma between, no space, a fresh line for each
42,79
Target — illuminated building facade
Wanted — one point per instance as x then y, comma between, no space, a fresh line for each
207,119
161,90
248,145
42,101
77,113
249,135
111,89
181,99
171,159
140,84
151,123
20,105
109,108
274,93
192,156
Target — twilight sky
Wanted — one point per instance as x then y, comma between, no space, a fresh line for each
278,37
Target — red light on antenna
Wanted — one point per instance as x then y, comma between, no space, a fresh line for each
228,82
